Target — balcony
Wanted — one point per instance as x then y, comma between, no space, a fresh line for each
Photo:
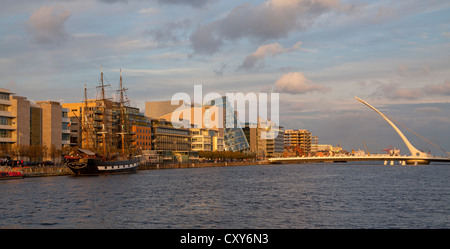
5,102
6,114
7,140
7,127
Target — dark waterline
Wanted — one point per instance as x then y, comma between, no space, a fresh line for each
264,196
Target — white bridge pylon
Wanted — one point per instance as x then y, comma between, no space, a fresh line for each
411,148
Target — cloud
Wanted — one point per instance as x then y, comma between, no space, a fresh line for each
405,71
148,11
259,55
219,72
46,24
269,20
171,31
114,1
204,41
393,91
296,82
193,3
428,110
440,89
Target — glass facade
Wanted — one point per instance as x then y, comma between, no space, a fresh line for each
233,138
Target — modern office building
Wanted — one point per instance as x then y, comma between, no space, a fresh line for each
156,109
214,114
204,139
75,131
165,137
8,127
20,110
52,124
234,138
23,123
270,145
35,124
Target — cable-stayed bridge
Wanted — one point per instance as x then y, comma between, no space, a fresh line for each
416,157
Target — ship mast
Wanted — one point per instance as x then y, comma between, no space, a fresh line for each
86,121
122,110
103,104
101,79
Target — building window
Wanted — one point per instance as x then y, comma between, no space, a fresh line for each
65,137
5,134
4,96
4,108
65,126
5,121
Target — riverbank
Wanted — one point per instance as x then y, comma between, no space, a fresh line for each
200,165
42,171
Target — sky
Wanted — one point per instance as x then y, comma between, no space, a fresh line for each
317,54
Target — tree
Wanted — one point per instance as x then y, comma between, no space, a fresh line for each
53,152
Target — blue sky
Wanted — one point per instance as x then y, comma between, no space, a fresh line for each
318,54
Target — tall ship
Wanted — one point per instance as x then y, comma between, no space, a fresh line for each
105,136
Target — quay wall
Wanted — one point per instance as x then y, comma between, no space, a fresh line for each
41,170
37,171
198,165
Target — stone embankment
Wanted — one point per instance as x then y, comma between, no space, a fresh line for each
199,165
37,171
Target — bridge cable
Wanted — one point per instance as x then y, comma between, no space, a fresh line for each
435,145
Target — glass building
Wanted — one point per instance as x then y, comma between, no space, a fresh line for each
233,136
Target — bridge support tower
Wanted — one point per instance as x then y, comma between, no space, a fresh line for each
411,148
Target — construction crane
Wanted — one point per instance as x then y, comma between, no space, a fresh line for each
368,153
388,149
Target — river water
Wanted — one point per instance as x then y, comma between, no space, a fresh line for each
263,196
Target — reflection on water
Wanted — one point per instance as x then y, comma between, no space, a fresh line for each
266,196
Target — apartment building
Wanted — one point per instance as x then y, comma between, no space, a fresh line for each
8,127
23,123
301,138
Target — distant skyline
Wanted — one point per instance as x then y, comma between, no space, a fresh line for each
317,54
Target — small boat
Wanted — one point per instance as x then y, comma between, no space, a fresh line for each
8,175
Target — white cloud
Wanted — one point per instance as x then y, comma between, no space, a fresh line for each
148,11
296,82
46,24
259,55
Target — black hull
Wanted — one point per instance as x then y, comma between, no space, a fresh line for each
98,167
10,177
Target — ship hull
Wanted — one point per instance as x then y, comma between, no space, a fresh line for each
98,167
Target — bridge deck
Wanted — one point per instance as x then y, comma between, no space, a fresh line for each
357,158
